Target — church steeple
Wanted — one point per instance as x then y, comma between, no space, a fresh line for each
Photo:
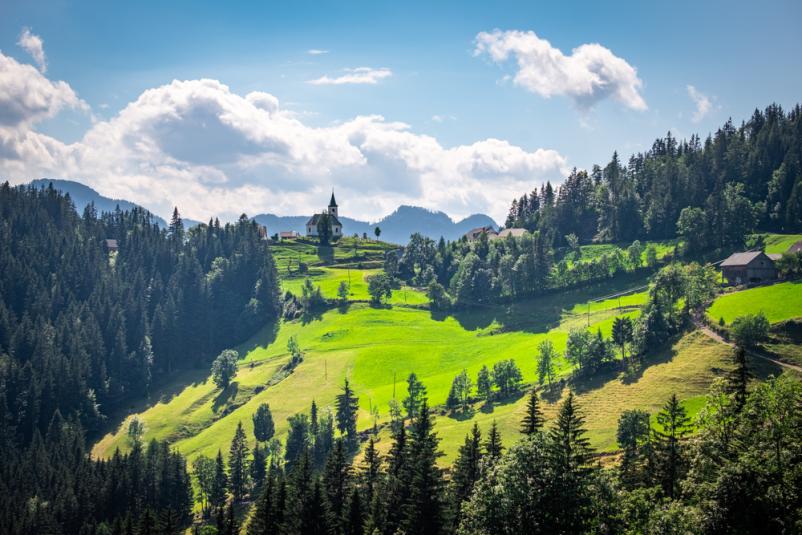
333,205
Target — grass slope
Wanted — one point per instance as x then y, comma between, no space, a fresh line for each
778,302
372,346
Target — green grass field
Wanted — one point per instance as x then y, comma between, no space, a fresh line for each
375,346
594,251
329,280
779,243
778,302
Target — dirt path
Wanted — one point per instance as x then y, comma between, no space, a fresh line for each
717,337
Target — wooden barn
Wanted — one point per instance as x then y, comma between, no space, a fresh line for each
749,268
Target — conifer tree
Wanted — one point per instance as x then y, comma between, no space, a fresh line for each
258,466
347,408
238,473
263,426
416,392
493,447
219,490
337,486
739,378
466,472
423,513
371,471
670,466
355,524
533,420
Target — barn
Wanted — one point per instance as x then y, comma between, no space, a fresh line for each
749,268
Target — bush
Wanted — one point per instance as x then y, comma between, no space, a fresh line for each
748,331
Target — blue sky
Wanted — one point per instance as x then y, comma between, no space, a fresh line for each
430,75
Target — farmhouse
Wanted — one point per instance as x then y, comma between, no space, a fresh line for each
288,235
749,267
475,233
331,212
111,246
514,232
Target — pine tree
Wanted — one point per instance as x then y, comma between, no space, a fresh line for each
219,490
739,378
337,483
493,447
347,408
238,464
673,424
355,524
371,471
569,456
466,472
533,420
484,384
265,519
258,466
416,392
423,514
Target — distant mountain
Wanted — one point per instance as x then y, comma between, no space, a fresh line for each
395,228
82,195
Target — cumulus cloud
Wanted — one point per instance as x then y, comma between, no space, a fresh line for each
359,75
702,103
588,75
316,52
34,46
212,152
27,96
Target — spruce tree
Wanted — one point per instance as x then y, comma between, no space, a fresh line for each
423,513
739,378
569,455
371,471
416,392
466,472
493,447
670,459
238,464
355,524
258,466
347,408
337,485
219,489
533,420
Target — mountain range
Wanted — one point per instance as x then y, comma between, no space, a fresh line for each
395,227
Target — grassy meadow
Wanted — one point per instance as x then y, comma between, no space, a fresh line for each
778,302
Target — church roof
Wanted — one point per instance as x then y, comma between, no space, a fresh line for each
332,202
315,218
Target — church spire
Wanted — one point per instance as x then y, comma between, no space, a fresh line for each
332,202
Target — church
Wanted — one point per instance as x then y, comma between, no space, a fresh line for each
336,226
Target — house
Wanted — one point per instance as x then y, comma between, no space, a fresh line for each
514,232
475,233
111,246
749,267
262,230
288,235
334,222
795,248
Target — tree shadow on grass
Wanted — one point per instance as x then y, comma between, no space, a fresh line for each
460,415
538,314
227,394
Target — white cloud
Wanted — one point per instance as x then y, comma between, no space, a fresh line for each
200,146
702,102
588,75
443,118
34,46
27,96
359,75
316,52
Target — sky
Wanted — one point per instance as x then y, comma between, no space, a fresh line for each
224,108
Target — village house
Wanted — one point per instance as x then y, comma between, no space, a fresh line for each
331,212
514,232
288,235
749,267
475,233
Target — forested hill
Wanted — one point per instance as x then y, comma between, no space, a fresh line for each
83,329
82,195
740,177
